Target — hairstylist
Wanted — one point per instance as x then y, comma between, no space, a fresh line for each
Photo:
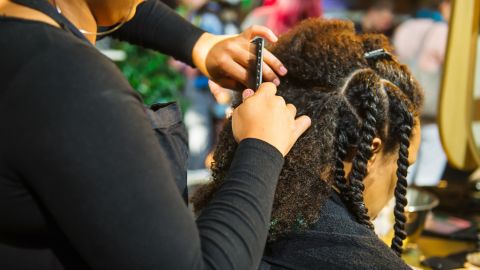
84,181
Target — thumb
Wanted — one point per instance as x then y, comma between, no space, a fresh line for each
302,123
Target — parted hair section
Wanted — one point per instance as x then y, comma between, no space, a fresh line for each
351,100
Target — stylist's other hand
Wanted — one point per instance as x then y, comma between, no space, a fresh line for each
266,117
224,59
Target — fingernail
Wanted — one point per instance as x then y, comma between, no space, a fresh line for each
247,93
283,70
276,81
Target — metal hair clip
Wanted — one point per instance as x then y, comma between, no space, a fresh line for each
377,54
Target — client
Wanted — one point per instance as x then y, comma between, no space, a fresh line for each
364,107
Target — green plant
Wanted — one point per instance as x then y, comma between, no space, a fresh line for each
149,74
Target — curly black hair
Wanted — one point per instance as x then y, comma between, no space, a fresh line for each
351,100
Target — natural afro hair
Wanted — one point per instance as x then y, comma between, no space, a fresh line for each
351,99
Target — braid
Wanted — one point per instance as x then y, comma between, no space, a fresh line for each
401,190
400,112
364,97
340,155
359,170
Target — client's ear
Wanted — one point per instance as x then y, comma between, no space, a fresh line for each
376,147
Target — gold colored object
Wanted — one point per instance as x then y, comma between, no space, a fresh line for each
456,106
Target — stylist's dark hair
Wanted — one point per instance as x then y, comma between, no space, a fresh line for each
351,100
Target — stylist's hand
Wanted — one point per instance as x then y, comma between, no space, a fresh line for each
224,59
265,116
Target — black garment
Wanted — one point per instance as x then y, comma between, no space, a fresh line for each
84,182
155,26
166,120
336,241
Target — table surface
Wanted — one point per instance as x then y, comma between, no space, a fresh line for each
432,246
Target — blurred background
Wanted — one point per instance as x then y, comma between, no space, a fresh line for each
160,79
437,39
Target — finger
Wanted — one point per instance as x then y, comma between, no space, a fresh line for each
280,101
267,89
230,84
247,93
221,94
292,109
214,88
302,123
262,31
237,72
269,75
274,63
236,78
242,57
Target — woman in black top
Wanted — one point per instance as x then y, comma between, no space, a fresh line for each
364,107
84,181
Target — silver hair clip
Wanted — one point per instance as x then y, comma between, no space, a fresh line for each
379,53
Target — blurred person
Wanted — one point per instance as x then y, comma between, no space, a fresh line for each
224,98
336,9
230,17
330,5
421,42
204,113
283,14
199,117
365,133
92,179
377,19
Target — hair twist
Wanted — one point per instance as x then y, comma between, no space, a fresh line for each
362,93
400,113
340,155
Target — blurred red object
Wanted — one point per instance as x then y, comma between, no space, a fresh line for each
281,15
269,2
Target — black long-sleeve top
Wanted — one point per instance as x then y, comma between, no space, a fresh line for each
156,26
84,183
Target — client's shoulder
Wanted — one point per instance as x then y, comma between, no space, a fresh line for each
336,241
335,218
314,250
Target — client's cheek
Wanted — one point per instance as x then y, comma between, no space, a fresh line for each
393,182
